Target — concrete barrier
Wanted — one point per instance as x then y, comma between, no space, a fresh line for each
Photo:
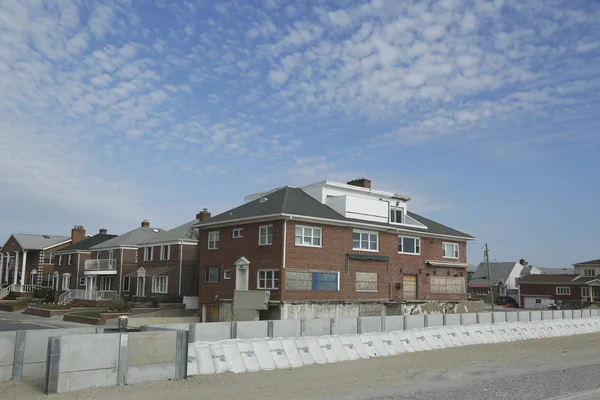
451,319
394,323
512,316
210,331
576,314
7,354
151,356
468,319
251,329
557,314
316,327
595,313
160,327
434,320
535,316
414,321
484,318
369,324
567,314
344,326
586,313
523,316
498,317
285,328
547,315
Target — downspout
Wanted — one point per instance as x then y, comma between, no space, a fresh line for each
78,261
180,264
121,271
284,240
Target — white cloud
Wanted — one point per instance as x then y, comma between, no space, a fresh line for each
340,18
278,77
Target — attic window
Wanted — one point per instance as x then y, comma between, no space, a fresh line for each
263,199
396,215
46,237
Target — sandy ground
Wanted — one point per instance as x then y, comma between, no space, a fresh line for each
353,379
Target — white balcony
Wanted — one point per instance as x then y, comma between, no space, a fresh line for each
101,267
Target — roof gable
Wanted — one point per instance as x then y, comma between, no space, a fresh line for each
88,243
500,271
129,239
38,242
181,232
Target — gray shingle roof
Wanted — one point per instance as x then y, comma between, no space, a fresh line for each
549,278
182,232
592,262
294,201
499,270
88,243
129,239
39,242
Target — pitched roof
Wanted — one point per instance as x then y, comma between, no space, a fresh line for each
86,244
592,262
39,242
499,271
543,278
129,239
182,232
294,201
557,271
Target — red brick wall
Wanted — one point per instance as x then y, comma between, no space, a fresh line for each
550,290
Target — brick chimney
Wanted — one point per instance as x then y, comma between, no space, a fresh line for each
77,234
145,224
523,262
102,231
203,215
361,182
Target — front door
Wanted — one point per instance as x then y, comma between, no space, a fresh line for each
139,289
410,287
105,282
212,314
241,278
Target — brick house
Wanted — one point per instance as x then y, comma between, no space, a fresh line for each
27,260
579,289
167,262
111,260
340,248
69,262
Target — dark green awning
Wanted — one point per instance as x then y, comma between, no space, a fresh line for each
368,257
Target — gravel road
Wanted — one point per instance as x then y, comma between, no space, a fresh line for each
527,370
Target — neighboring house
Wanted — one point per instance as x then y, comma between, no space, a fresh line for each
470,271
504,276
349,248
27,260
111,260
557,271
531,270
578,289
69,262
167,263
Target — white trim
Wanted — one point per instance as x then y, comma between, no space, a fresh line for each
214,241
226,274
285,241
189,242
312,237
358,189
146,257
267,234
568,290
162,257
457,250
397,208
410,237
49,247
180,266
155,278
369,241
273,279
128,285
239,230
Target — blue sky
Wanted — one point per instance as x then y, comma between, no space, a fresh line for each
484,112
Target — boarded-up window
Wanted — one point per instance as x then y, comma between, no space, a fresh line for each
366,281
447,285
311,280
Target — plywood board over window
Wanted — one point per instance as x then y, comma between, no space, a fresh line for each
366,282
440,284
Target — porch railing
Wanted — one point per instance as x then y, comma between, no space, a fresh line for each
5,291
101,265
82,294
22,288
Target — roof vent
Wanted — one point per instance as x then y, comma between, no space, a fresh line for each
46,237
263,199
155,230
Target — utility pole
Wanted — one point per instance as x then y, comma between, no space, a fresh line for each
487,261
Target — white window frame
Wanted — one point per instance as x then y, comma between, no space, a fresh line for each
155,279
51,258
417,245
312,236
563,290
585,289
213,240
586,270
266,235
226,274
258,279
60,259
360,241
148,253
66,281
455,254
393,211
237,233
69,259
126,284
162,252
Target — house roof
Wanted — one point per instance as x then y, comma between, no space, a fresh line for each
557,271
182,232
500,271
39,242
294,201
549,279
88,243
129,239
584,263
151,271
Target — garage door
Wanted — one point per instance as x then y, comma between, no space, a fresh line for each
410,287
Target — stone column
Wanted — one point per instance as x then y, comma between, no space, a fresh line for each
7,265
23,267
16,272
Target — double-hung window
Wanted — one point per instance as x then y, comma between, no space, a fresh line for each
589,272
211,274
148,254
237,233
70,259
365,240
563,290
268,279
450,250
213,240
308,236
165,252
396,215
160,284
60,259
585,292
409,245
265,235
126,283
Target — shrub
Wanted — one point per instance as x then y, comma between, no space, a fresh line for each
117,303
171,298
154,302
40,293
49,298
